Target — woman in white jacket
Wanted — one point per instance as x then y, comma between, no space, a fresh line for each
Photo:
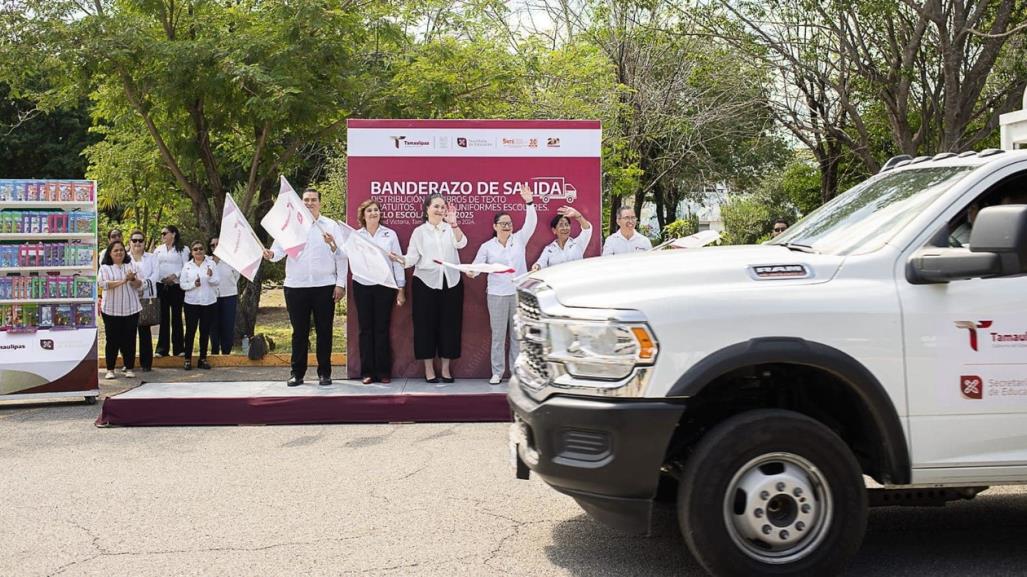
149,273
506,248
199,280
438,294
565,248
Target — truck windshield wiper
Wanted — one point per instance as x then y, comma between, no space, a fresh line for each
800,247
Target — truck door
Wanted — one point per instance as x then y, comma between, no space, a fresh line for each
966,362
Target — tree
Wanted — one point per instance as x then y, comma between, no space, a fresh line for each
747,220
37,144
938,73
226,95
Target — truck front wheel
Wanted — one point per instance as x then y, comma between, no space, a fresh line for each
772,492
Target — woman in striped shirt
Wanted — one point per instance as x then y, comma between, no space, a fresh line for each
120,281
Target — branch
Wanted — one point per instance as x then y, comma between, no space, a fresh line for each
1017,30
251,184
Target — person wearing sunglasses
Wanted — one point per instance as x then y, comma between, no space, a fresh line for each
506,248
171,257
780,225
199,281
148,274
626,239
222,334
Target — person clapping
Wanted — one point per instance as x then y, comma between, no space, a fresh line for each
199,280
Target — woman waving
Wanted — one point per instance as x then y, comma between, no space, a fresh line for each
507,248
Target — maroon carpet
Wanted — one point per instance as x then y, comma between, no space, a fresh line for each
129,412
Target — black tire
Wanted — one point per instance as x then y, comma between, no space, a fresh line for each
814,532
90,400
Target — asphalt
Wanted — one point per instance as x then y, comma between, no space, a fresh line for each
391,500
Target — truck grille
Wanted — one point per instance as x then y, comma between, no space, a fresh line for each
531,350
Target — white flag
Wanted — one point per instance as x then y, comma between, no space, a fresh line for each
366,259
237,244
489,268
288,221
696,240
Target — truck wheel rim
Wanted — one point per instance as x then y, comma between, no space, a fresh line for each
778,508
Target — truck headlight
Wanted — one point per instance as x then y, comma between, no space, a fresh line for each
600,350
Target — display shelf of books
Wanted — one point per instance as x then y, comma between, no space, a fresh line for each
48,297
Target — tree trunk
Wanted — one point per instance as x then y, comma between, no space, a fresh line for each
249,298
615,204
246,313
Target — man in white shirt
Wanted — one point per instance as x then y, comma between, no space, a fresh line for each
626,239
314,282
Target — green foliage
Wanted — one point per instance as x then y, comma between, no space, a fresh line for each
36,144
681,228
791,192
747,220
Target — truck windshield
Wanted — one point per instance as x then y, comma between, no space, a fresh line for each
867,216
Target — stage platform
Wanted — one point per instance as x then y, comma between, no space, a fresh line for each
273,403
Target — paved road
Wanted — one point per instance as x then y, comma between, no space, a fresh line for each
403,500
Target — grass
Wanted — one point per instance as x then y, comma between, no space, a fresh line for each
273,321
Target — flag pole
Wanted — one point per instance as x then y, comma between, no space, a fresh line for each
248,227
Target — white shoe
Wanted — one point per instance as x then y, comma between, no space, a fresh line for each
495,380
110,375
130,374
123,370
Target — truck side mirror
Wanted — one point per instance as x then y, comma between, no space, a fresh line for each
998,247
1002,230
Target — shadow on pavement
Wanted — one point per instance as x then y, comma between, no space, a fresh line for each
986,536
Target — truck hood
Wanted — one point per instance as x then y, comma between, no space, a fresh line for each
617,281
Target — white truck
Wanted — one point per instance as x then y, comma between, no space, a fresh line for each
882,337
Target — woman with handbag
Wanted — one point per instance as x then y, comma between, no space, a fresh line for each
120,280
150,313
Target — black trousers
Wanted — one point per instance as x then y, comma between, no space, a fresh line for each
438,319
301,303
374,314
204,316
222,334
121,337
171,299
145,347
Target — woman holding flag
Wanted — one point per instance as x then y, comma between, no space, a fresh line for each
505,248
438,295
374,301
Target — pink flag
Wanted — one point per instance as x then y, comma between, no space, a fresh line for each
288,221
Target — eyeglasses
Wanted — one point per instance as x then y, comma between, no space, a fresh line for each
137,240
505,224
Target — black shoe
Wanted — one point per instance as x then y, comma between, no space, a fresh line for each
203,364
432,380
188,365
325,381
448,380
294,381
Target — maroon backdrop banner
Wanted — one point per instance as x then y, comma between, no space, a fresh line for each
477,165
